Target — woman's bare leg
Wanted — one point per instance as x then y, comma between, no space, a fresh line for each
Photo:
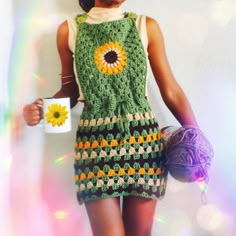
105,217
138,215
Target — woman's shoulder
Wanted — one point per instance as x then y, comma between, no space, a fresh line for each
70,26
151,22
153,26
63,29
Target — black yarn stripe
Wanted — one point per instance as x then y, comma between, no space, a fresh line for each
159,160
115,130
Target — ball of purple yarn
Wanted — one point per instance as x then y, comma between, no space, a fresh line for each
189,154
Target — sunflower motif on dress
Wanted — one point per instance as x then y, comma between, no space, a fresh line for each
110,58
56,114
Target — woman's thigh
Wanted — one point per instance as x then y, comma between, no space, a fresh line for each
138,215
105,217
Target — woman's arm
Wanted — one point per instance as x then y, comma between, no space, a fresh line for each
171,92
33,112
69,86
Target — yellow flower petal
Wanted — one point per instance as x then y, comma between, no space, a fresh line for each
56,114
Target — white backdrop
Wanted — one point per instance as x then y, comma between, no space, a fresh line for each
37,193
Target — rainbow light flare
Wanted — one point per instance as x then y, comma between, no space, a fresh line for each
20,63
29,25
203,186
41,81
160,219
62,159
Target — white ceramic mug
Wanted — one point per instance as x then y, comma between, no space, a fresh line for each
57,115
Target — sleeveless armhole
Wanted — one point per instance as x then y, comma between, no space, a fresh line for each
72,25
142,29
72,33
141,26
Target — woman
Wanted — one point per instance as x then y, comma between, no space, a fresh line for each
118,142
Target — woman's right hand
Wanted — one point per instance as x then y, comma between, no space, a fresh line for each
33,112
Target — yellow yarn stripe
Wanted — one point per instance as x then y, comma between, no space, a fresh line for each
131,171
114,142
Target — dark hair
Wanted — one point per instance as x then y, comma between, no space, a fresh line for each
86,5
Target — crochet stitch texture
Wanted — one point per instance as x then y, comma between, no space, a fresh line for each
119,144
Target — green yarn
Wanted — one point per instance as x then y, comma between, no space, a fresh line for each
118,142
111,67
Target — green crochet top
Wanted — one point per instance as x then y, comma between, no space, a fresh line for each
111,67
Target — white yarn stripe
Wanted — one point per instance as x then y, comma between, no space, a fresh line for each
114,119
122,152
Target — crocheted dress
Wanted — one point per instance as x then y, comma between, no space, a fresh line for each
118,142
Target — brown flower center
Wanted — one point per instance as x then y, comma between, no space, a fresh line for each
111,57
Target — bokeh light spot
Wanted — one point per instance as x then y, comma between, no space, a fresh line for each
223,11
212,219
60,215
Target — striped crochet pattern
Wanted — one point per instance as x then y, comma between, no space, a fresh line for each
118,143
